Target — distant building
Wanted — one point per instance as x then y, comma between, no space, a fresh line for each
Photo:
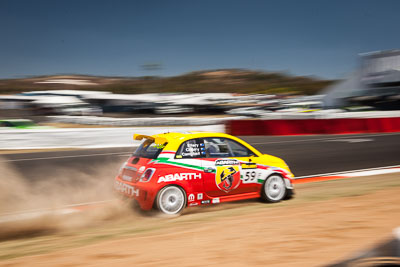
375,83
71,93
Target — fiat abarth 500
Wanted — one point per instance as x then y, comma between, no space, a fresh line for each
173,170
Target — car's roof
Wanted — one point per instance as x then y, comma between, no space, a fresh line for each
191,134
174,139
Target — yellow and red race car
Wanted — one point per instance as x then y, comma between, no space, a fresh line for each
173,170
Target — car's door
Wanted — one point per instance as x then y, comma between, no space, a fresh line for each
250,174
188,162
223,173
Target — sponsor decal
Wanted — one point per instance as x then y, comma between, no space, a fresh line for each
127,178
205,202
193,204
191,198
199,196
202,149
159,146
249,165
227,178
223,162
126,189
194,164
215,200
179,177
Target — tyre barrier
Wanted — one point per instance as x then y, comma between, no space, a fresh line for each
313,126
386,253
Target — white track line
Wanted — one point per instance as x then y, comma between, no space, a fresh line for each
34,214
349,173
71,156
62,207
347,136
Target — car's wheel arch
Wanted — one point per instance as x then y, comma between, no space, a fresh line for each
168,185
262,189
279,174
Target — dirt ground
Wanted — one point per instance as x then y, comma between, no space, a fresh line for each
326,222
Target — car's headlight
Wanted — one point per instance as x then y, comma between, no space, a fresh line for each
286,167
146,176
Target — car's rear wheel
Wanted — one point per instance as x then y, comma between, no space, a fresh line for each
171,200
274,189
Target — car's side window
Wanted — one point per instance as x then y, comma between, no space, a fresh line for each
239,150
217,147
193,148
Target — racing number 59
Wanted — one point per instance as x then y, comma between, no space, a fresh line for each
250,176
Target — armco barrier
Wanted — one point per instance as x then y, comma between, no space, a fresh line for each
157,121
313,126
86,137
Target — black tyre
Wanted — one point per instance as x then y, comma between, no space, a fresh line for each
289,194
274,189
171,200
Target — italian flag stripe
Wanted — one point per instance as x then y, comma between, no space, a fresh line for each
166,161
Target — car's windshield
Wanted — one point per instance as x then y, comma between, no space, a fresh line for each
148,149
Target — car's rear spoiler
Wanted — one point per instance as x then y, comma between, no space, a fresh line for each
157,140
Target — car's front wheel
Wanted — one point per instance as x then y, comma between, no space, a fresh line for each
274,189
171,200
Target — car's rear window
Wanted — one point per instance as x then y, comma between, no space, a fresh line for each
148,149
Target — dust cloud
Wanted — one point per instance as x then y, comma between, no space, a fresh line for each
47,205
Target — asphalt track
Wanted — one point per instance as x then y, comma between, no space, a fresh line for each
306,155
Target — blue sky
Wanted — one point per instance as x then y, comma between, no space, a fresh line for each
309,37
